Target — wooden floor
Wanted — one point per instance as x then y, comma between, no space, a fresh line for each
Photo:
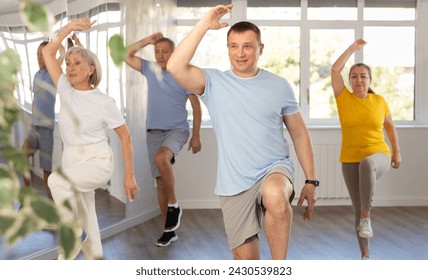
400,233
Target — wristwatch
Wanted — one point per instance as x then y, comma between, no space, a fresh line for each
316,183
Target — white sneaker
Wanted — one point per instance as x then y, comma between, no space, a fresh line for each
365,228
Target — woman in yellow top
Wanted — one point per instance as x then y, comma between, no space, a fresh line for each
365,155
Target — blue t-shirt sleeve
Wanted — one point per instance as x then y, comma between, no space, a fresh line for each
291,101
143,66
207,89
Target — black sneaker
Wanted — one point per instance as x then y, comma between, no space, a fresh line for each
173,217
166,239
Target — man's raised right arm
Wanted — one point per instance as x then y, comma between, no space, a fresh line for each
134,61
189,76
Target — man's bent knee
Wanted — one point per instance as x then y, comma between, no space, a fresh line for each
247,251
278,194
164,155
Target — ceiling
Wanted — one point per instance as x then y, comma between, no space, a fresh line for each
12,6
9,9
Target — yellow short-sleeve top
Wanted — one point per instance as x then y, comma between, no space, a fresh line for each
362,122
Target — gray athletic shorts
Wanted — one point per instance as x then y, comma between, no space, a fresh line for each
171,139
41,138
242,213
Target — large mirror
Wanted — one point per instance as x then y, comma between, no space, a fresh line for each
127,87
110,201
16,35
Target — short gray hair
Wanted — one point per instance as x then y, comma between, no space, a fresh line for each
92,60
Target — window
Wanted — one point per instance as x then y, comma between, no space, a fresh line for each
303,38
392,62
323,52
271,10
190,9
26,44
397,10
109,22
281,53
332,10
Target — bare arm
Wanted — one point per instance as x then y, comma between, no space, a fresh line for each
393,139
130,185
195,141
49,51
303,146
61,54
134,61
189,76
337,67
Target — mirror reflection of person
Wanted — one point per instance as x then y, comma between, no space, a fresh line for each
85,116
41,135
167,125
248,107
365,155
74,41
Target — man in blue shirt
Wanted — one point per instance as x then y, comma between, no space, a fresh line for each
40,137
248,108
167,126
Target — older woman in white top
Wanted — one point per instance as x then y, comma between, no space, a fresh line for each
86,114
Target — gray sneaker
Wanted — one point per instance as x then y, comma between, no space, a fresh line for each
365,228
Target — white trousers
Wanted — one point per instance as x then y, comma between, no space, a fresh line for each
86,168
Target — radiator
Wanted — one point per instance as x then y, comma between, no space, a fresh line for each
328,170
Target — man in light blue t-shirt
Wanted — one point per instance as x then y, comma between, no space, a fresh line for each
40,137
249,107
167,125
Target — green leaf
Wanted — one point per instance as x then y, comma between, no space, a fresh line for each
117,48
6,192
37,17
9,117
10,59
17,157
24,193
5,171
67,240
5,223
45,210
28,225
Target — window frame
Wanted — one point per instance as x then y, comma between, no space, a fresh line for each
358,25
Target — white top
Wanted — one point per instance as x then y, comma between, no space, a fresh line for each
85,115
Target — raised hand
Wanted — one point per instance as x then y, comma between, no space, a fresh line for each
154,37
79,24
358,44
212,18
